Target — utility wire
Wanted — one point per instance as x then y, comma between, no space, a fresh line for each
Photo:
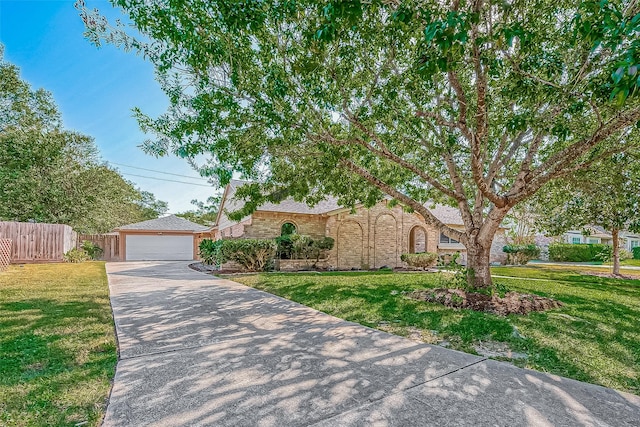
153,170
169,180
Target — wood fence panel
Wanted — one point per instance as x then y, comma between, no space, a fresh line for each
109,243
33,242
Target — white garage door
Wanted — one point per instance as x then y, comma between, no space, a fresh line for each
159,248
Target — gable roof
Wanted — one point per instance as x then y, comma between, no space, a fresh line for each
166,223
446,214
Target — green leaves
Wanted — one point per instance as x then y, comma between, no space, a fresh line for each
50,174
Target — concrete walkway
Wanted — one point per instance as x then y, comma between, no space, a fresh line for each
196,351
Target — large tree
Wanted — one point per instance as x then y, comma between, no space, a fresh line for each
50,174
606,195
477,104
205,213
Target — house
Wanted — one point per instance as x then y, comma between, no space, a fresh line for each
169,238
591,234
630,240
364,239
595,234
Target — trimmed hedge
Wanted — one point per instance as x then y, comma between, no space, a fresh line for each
420,260
298,246
521,254
251,254
566,252
636,252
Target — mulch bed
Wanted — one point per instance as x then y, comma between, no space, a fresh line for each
511,303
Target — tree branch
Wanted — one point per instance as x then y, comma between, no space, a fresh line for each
408,201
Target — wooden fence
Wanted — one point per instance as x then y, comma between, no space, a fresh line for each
32,243
109,243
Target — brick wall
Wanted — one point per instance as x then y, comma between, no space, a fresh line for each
376,237
366,239
267,225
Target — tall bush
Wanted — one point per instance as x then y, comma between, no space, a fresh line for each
210,251
251,254
565,252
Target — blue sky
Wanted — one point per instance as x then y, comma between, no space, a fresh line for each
95,89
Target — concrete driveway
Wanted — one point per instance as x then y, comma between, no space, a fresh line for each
196,351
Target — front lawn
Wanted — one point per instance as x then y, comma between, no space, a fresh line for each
594,337
57,346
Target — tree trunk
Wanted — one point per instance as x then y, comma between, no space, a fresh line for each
478,269
616,252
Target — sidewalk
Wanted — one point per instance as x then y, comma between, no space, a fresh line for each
577,264
196,351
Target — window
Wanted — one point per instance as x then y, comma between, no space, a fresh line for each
288,228
635,243
593,241
576,240
447,239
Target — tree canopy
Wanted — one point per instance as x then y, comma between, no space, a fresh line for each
205,213
477,104
50,174
606,195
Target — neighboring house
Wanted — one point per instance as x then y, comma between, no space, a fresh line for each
594,234
629,240
169,238
364,239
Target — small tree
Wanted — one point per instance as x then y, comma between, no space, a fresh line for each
606,195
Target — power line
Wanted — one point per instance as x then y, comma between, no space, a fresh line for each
168,180
153,170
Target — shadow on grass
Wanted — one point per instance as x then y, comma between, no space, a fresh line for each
223,354
605,327
51,351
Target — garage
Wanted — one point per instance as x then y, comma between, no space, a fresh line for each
169,238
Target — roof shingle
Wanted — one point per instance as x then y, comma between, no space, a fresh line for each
446,214
166,223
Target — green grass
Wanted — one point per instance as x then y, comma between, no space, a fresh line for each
57,346
631,262
594,337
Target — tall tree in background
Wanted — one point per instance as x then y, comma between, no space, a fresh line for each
477,104
49,174
607,195
205,213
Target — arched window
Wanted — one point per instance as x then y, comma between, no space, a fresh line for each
287,229
417,240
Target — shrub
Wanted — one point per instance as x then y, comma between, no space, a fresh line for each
521,254
251,254
210,251
420,260
579,253
284,246
625,255
636,252
305,247
297,246
94,251
76,255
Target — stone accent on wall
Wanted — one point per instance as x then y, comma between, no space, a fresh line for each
267,225
499,241
385,241
349,246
